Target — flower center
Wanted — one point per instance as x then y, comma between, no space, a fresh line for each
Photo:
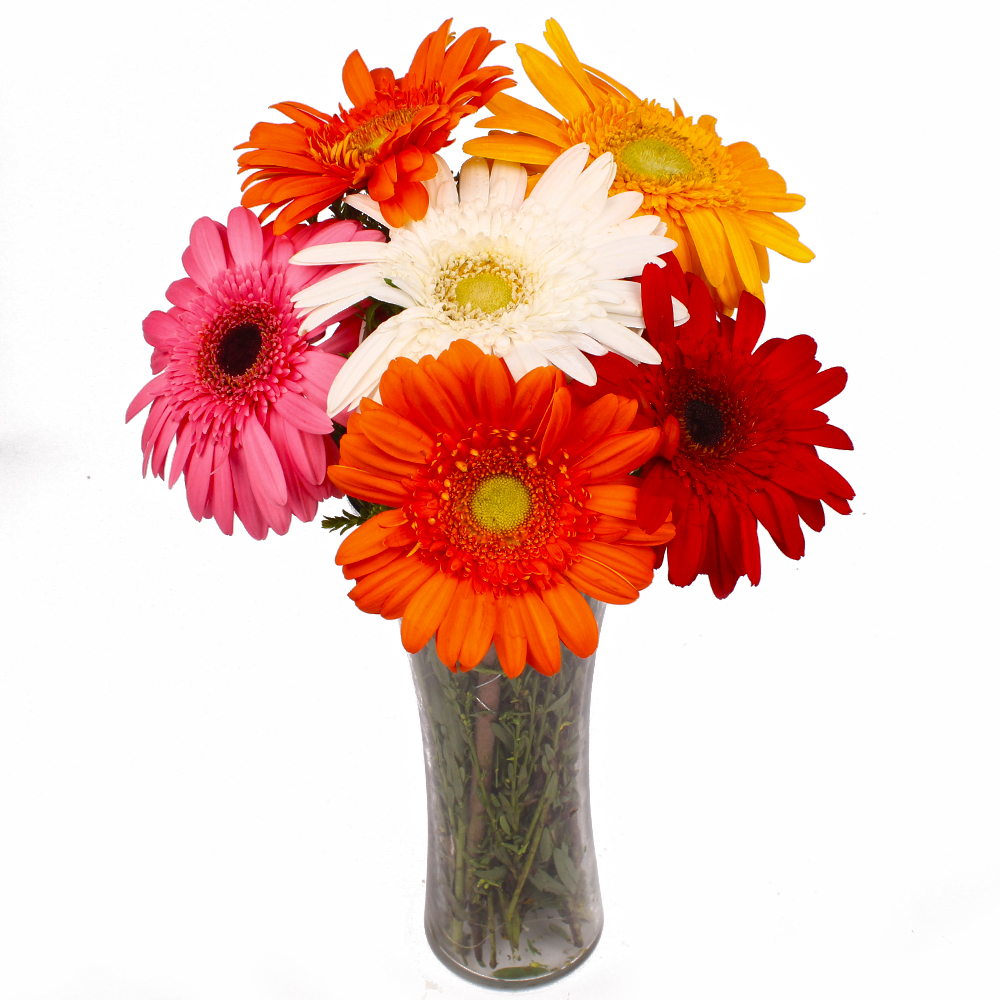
481,285
655,158
485,291
238,349
367,138
705,425
500,504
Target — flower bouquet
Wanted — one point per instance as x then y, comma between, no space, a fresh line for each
528,381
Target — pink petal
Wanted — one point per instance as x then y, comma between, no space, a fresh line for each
220,501
185,442
343,341
160,329
266,476
196,479
281,252
245,504
246,242
145,396
299,412
206,256
183,292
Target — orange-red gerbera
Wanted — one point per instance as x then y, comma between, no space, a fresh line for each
718,201
740,430
387,139
506,502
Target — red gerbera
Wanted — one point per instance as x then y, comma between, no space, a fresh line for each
387,140
740,432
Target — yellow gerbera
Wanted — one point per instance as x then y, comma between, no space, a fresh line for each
718,201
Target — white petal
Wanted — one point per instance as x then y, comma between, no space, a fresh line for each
366,364
323,313
625,297
574,364
626,258
353,281
681,315
616,209
474,181
623,341
588,195
523,358
367,206
361,252
395,295
559,177
508,182
441,188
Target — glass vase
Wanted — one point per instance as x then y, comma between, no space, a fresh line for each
512,893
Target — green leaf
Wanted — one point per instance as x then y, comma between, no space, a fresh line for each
521,971
556,929
565,867
363,511
560,702
547,883
503,735
545,846
496,875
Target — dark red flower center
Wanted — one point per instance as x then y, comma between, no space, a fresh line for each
705,425
238,349
241,350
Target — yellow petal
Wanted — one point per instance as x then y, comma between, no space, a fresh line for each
620,87
553,83
709,240
770,231
742,251
515,148
559,44
767,202
532,126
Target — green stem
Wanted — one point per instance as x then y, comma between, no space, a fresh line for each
543,808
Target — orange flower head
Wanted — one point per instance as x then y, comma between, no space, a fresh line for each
387,139
717,200
506,504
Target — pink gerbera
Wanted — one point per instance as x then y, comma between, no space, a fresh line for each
240,390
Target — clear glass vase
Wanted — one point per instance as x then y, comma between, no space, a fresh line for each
512,892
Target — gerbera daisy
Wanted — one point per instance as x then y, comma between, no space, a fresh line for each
740,430
532,280
387,139
718,201
506,504
238,388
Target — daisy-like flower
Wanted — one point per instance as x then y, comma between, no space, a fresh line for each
740,430
387,139
506,504
718,201
241,392
533,280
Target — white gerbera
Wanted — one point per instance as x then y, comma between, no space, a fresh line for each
535,281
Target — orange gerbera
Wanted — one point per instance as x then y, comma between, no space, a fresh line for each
506,502
718,201
387,140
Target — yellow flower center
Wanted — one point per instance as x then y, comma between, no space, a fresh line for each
500,504
480,285
366,139
654,158
485,291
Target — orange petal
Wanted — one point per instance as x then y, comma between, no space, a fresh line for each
398,437
451,631
357,80
479,629
356,570
541,635
600,582
493,387
613,499
532,395
620,453
509,638
412,575
414,199
374,489
372,591
573,618
357,452
552,427
368,539
633,563
426,609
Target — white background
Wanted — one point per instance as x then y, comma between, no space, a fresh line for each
211,782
